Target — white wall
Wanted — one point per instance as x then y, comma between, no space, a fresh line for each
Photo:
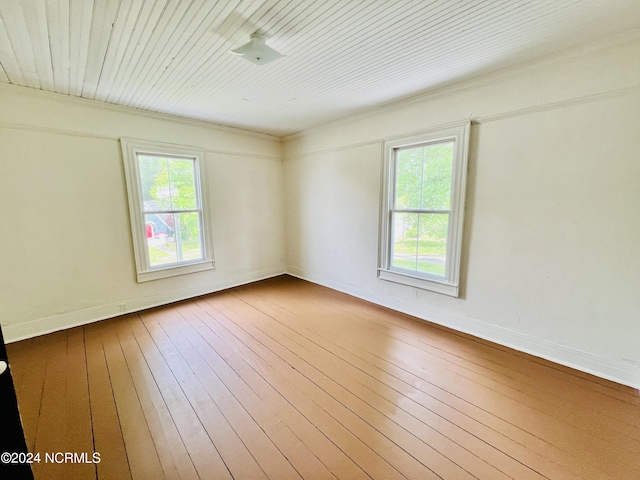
65,244
551,251
550,255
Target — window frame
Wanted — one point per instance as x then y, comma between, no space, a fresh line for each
131,148
450,284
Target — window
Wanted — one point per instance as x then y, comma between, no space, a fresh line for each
422,208
168,208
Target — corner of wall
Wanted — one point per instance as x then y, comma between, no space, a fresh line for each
63,321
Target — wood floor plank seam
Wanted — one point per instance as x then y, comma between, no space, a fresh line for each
91,424
77,415
515,375
237,416
145,462
283,379
271,428
391,316
221,466
169,443
239,460
108,438
346,414
372,457
207,461
404,339
50,426
38,373
356,395
302,424
550,423
351,346
309,335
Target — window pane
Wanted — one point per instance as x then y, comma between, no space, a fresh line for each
408,178
423,177
436,183
154,177
405,232
420,242
161,245
432,243
190,239
183,184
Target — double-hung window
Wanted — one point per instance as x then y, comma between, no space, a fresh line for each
422,208
168,206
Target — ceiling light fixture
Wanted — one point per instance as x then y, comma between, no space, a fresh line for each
257,51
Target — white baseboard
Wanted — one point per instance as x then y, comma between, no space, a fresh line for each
603,367
42,326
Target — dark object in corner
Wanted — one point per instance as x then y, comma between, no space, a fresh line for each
11,434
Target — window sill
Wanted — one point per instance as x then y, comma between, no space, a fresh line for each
175,271
419,282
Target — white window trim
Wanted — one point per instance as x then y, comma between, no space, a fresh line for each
450,285
145,272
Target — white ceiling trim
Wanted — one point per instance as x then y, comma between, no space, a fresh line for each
9,89
559,58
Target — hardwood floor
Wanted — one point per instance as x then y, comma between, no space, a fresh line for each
283,379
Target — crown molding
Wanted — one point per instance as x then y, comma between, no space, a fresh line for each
487,78
111,138
87,102
596,97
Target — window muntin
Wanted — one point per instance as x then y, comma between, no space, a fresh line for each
168,208
423,202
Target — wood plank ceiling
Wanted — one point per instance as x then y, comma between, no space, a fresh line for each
172,56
